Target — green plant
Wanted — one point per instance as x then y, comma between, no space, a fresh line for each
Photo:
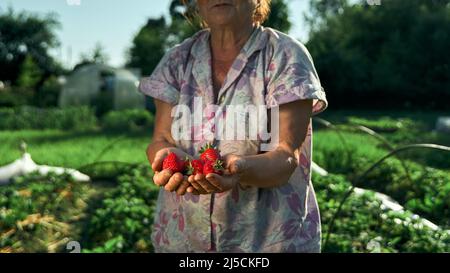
123,222
365,225
383,124
425,194
132,119
114,245
73,118
407,182
35,211
15,97
47,95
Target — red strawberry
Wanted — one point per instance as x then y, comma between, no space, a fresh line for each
173,163
209,153
195,167
213,167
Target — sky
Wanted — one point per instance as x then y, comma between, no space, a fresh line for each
113,23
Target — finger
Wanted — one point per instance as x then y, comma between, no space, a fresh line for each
191,179
156,178
174,182
183,187
199,177
192,190
161,178
208,186
158,160
194,184
217,181
198,188
200,180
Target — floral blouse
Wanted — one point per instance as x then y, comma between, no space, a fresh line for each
272,69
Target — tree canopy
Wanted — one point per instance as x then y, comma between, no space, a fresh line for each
391,55
148,45
25,41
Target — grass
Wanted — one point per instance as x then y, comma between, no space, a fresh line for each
399,128
329,140
427,119
74,149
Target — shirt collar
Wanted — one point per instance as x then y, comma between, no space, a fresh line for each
257,41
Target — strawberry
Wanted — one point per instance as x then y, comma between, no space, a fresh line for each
209,153
195,167
213,167
173,163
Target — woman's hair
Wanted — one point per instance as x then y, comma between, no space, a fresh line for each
260,16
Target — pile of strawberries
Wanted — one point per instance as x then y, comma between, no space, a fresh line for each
209,162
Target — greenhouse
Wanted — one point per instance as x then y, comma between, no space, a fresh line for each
102,86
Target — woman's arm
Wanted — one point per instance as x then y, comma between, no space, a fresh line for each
162,137
161,145
274,168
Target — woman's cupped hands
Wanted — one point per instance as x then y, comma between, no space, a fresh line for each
181,173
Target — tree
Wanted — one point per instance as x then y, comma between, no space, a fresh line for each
30,73
26,37
279,16
185,22
96,56
148,46
322,10
393,55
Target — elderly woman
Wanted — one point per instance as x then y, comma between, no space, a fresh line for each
264,202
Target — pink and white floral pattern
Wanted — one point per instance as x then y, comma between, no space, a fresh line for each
272,69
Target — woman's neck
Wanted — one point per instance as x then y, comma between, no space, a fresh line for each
227,42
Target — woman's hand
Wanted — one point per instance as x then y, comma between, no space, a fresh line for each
161,155
213,183
165,178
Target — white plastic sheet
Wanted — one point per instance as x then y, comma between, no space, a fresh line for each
26,165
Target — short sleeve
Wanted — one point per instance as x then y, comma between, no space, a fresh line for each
162,83
292,76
